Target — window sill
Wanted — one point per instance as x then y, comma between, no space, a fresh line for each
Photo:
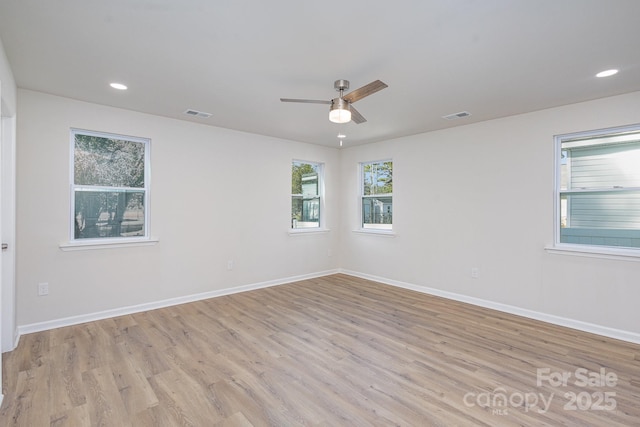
306,231
375,232
604,252
97,244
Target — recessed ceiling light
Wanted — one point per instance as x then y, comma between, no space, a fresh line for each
607,73
118,86
341,135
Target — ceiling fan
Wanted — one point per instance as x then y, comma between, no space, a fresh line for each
341,110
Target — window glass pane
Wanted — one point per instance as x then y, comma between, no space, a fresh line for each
100,214
107,161
305,212
603,166
377,178
304,178
305,195
377,212
603,209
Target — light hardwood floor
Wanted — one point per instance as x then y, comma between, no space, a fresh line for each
332,351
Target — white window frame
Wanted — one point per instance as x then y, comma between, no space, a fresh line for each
321,227
97,243
371,229
584,249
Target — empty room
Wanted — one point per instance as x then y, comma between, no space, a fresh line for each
338,213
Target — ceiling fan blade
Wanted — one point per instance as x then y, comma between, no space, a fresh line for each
306,101
356,117
365,90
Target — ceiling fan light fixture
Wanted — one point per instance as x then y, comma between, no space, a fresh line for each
339,111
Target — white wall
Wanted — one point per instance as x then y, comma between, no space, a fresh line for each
207,184
482,196
474,196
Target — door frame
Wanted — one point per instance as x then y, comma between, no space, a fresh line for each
8,329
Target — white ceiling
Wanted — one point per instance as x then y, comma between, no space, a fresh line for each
236,58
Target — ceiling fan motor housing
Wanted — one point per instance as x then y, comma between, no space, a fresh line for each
341,85
340,103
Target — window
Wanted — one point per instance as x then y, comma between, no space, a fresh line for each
598,188
377,195
306,187
110,186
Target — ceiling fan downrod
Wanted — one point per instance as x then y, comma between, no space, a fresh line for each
341,86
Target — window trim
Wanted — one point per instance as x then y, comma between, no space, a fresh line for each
111,242
97,244
584,250
321,228
374,232
307,231
361,228
590,251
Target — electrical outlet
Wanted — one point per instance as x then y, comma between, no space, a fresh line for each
475,272
43,289
230,265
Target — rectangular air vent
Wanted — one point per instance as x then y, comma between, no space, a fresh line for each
459,115
196,113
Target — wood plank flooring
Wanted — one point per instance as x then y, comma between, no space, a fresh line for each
332,351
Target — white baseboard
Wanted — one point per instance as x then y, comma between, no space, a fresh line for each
106,314
549,318
531,314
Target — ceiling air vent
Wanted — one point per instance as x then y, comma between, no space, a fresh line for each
460,115
196,113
